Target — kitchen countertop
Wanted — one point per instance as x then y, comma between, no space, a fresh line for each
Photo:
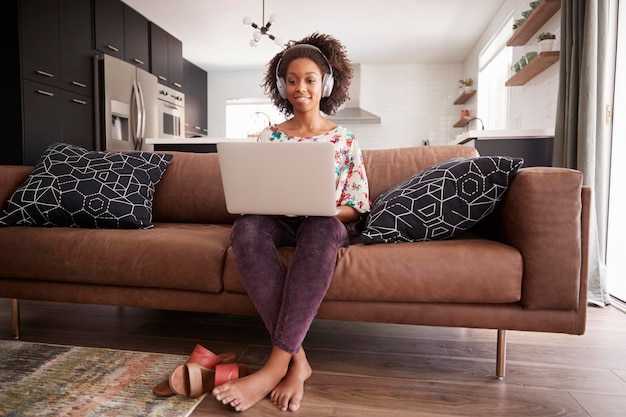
502,134
192,141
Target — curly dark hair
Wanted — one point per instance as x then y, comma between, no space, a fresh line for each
336,54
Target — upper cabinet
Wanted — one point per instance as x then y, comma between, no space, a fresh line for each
175,62
122,32
40,41
109,31
76,46
166,57
136,38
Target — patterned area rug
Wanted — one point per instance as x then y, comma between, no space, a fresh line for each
54,380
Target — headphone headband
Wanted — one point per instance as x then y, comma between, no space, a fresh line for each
328,80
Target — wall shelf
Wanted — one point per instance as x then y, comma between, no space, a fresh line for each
462,122
464,96
540,63
542,13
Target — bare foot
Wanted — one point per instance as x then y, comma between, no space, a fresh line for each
289,392
241,394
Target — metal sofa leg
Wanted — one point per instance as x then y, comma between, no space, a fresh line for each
501,354
15,318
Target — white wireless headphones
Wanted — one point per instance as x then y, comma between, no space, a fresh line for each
328,81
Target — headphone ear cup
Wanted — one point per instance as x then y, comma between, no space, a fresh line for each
328,83
280,86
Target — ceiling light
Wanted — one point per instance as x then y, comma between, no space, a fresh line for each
262,30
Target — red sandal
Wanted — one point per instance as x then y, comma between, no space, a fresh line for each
200,356
193,380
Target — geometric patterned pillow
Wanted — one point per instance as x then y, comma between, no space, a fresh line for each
73,187
440,201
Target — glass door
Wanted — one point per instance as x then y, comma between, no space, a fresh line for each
616,235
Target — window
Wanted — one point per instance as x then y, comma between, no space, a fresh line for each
494,64
245,118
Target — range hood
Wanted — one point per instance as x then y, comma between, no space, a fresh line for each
351,112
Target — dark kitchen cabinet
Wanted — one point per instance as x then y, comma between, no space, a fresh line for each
175,62
109,27
191,105
39,28
56,43
43,123
50,53
76,46
50,74
122,32
53,115
136,38
195,89
166,57
158,53
78,119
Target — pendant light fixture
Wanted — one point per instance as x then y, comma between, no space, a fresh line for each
263,30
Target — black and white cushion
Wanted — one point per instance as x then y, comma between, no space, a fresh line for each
73,187
440,201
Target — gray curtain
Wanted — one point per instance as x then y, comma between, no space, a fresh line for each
582,136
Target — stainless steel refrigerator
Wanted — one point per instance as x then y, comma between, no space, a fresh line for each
127,105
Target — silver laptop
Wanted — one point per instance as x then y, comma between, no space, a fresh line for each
278,178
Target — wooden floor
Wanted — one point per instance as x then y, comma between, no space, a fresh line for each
364,369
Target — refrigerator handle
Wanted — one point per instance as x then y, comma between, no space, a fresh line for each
142,119
135,115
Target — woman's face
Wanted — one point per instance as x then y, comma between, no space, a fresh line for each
304,84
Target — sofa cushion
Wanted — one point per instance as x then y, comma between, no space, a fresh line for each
441,201
191,191
465,269
73,187
387,167
178,256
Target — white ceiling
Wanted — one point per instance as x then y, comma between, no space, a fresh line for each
373,31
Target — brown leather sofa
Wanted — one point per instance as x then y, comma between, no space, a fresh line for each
522,268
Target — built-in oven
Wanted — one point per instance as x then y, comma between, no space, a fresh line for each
171,113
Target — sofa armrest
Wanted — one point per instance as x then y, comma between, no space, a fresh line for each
11,177
541,215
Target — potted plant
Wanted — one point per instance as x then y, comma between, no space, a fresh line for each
466,84
546,39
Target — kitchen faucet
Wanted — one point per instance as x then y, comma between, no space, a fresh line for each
269,121
472,119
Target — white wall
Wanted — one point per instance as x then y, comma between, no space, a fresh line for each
414,101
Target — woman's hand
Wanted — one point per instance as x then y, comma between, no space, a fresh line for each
347,214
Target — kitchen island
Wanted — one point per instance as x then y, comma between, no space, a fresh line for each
534,145
197,144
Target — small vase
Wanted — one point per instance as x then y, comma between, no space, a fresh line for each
467,88
546,45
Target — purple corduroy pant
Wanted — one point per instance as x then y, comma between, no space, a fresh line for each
287,299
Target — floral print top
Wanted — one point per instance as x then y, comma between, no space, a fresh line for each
352,187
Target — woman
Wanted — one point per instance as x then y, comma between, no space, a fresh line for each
308,77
